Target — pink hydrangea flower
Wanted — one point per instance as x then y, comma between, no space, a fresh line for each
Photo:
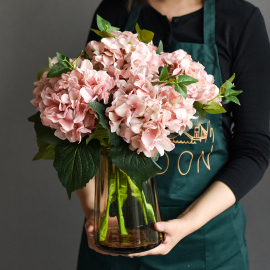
141,113
63,101
145,121
144,115
181,63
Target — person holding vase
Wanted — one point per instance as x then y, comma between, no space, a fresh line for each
201,183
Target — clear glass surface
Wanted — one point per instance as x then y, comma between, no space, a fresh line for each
124,214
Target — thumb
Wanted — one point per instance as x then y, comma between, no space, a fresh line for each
161,226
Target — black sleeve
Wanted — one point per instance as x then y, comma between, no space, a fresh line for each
250,144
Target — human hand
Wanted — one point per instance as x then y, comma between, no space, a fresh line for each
89,228
174,230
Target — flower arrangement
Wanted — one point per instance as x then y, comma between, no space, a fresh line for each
124,95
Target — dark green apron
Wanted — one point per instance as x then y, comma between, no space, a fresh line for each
187,172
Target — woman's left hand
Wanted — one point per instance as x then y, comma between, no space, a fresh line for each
174,230
216,199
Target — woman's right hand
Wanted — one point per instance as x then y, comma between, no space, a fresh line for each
89,228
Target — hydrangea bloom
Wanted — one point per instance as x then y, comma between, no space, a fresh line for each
181,63
63,101
145,119
141,113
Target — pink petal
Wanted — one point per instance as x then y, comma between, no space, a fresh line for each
122,109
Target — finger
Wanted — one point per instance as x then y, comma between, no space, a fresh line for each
161,226
89,229
159,250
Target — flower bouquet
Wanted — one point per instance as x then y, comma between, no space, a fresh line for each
109,114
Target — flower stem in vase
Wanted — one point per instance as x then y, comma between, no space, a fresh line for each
150,212
125,225
135,192
103,227
149,209
121,189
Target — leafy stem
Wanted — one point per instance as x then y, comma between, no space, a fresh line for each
226,91
118,190
103,227
135,192
149,209
168,82
66,61
218,96
121,191
180,82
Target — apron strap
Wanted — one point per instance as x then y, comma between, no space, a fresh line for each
133,17
209,22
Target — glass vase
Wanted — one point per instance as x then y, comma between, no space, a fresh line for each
124,214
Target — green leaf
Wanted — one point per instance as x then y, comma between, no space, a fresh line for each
199,108
223,87
233,99
104,121
164,73
172,77
34,118
100,134
180,88
231,92
172,135
232,78
169,68
160,48
114,28
102,24
102,34
39,74
199,121
57,70
46,151
213,108
138,167
86,56
186,80
110,98
46,134
43,132
62,58
229,86
76,163
144,35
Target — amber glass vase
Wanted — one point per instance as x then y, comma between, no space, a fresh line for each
124,214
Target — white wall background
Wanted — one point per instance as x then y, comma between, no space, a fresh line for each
40,228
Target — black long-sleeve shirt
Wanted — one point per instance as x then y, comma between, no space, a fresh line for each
243,49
